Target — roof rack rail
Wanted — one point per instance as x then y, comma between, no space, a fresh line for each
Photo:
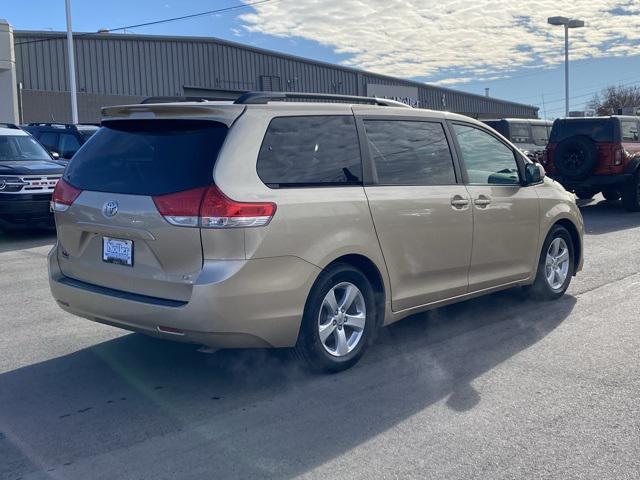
10,125
174,99
261,98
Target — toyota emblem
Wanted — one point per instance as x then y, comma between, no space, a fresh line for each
110,209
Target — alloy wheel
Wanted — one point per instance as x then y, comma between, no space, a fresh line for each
557,263
342,319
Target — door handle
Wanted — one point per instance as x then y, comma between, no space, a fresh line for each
458,201
482,201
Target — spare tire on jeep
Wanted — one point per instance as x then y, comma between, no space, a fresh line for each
576,157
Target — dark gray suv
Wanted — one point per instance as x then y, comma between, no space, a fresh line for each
529,135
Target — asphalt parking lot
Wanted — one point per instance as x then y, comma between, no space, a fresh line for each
492,388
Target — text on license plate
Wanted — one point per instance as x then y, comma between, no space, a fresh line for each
116,250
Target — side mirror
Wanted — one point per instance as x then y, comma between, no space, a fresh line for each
55,155
534,173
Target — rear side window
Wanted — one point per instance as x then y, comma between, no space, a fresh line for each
86,132
520,133
499,126
49,140
540,134
598,129
68,146
629,131
310,151
148,157
409,153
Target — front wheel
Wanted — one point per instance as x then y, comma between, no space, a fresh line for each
338,320
555,266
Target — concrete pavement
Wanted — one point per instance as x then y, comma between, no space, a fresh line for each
493,388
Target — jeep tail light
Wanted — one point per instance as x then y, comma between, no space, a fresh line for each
63,196
208,207
618,156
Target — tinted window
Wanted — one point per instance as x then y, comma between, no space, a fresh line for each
310,151
23,147
148,157
520,133
68,145
540,134
409,153
499,126
629,131
487,159
599,129
86,131
49,140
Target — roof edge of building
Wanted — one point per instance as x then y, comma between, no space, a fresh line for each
178,38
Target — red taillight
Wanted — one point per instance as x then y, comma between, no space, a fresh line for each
63,196
618,156
208,207
182,208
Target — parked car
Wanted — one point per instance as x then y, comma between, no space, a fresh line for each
61,139
598,154
28,175
268,223
529,135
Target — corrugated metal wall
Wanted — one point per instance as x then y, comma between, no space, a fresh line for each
113,65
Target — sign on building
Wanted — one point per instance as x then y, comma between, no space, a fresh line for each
408,95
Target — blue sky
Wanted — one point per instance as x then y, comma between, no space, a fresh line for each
489,43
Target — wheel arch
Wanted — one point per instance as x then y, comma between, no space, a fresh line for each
373,274
575,239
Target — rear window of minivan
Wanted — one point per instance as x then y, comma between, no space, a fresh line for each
148,157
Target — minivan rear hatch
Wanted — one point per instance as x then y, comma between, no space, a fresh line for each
112,234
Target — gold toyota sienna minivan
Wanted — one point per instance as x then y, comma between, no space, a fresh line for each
306,221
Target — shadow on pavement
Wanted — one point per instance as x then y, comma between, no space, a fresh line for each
12,240
250,414
602,217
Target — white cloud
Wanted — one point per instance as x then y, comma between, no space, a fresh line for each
426,38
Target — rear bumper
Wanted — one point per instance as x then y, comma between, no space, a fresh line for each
594,181
234,303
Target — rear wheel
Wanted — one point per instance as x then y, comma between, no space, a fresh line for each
631,194
611,194
338,321
555,266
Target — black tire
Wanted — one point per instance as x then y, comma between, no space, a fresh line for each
631,194
611,194
309,347
576,157
541,289
585,193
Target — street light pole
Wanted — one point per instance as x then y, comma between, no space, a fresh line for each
72,65
567,23
566,70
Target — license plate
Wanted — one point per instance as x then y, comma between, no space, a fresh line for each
116,250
